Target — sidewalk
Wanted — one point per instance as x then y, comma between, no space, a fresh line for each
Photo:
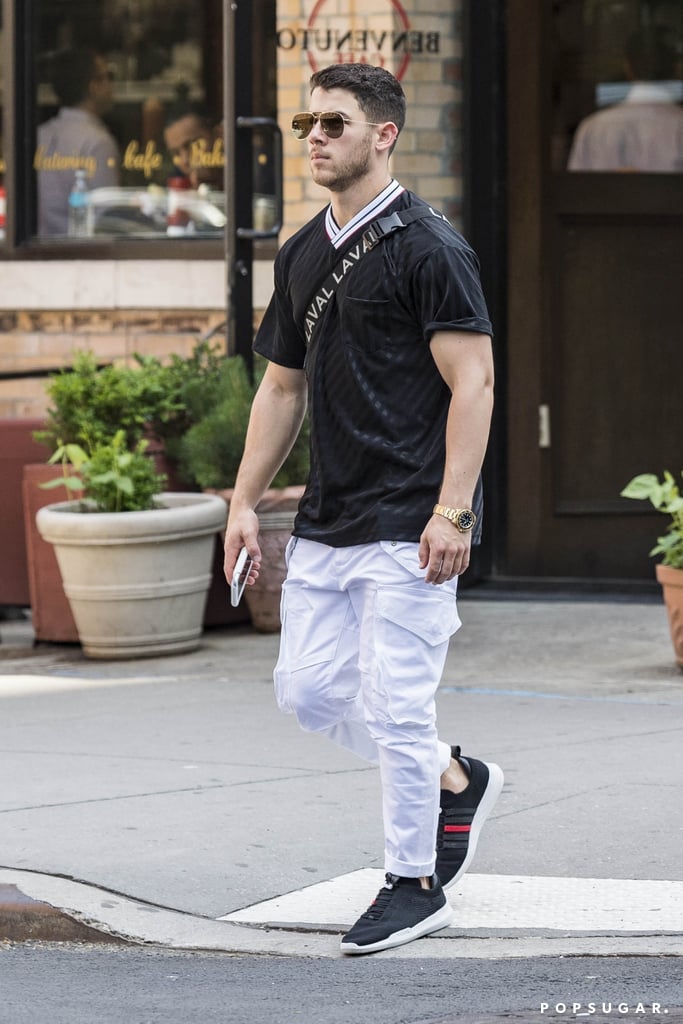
168,801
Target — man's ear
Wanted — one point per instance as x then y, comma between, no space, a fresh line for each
387,135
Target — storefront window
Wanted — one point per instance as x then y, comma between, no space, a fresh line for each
618,86
128,119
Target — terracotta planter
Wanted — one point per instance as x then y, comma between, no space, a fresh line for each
136,581
51,614
672,586
276,512
17,449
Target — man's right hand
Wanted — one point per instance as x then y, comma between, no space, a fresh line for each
242,531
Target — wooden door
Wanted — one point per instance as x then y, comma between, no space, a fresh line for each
595,315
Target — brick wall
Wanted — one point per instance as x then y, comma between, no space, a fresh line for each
38,340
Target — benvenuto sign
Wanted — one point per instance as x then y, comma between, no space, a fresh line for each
328,38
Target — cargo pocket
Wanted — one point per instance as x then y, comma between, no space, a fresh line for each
429,614
412,626
309,642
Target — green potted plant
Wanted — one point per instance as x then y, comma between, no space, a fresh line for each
88,404
135,560
156,399
112,478
210,450
665,495
180,392
210,453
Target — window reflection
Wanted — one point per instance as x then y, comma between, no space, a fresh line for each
75,140
195,145
129,107
618,91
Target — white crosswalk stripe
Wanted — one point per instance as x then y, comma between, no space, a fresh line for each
495,902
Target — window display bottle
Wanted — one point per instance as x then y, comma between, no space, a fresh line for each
178,219
78,207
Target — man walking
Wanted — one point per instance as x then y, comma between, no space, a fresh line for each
377,325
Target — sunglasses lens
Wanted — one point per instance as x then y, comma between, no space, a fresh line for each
332,124
302,125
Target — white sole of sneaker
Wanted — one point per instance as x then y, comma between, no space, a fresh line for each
493,791
441,918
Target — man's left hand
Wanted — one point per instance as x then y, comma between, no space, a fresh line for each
444,552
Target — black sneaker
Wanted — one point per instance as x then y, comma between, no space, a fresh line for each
402,911
462,816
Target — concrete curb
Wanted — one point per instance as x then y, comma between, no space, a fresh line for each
39,907
25,919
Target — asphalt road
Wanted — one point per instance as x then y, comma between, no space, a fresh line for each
72,984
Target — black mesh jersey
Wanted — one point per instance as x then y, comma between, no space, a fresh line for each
377,403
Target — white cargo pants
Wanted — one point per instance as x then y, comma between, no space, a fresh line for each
362,650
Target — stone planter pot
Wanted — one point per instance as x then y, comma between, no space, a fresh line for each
136,581
672,586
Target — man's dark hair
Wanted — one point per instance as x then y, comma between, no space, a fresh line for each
378,92
650,57
71,72
176,112
182,106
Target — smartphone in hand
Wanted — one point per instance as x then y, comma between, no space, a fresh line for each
240,576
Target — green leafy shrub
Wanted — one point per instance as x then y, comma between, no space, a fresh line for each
210,451
89,404
112,477
665,496
181,391
197,407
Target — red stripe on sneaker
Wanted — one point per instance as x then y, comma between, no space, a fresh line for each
457,828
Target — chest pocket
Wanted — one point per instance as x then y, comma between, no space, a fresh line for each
369,325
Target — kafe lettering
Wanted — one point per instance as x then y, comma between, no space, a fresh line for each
147,160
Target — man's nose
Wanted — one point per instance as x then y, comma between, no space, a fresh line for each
316,133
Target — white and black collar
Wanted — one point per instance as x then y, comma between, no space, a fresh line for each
338,236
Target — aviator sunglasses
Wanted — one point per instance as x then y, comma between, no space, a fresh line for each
331,122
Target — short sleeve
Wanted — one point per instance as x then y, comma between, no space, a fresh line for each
447,291
278,338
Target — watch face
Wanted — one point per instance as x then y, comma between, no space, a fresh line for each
465,520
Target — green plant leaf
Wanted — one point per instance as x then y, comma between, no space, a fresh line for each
641,487
666,497
125,484
72,483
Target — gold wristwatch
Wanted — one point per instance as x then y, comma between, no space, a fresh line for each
462,518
